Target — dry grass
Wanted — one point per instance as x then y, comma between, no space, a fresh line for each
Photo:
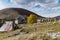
36,31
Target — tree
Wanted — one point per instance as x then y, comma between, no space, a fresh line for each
32,19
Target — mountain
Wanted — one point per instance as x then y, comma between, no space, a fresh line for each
15,12
57,17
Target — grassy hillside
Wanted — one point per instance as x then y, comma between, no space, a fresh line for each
35,31
15,12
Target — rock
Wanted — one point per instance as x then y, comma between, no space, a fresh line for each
54,35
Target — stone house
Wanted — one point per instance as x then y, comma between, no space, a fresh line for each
21,20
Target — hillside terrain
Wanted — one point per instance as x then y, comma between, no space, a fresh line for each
35,31
57,17
15,12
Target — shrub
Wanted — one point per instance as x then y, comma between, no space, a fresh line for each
32,19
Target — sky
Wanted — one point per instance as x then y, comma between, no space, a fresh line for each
45,8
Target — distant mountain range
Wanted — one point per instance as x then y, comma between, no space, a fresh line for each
15,12
57,17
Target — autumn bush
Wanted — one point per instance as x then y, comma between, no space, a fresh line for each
32,19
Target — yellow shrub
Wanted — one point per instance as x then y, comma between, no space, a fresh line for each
32,18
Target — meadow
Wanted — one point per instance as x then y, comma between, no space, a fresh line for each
36,31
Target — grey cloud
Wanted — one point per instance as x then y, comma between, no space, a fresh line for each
43,3
23,1
48,1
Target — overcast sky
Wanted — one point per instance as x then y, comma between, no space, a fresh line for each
46,8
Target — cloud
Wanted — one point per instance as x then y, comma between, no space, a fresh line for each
22,1
6,4
47,8
29,3
43,3
2,5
